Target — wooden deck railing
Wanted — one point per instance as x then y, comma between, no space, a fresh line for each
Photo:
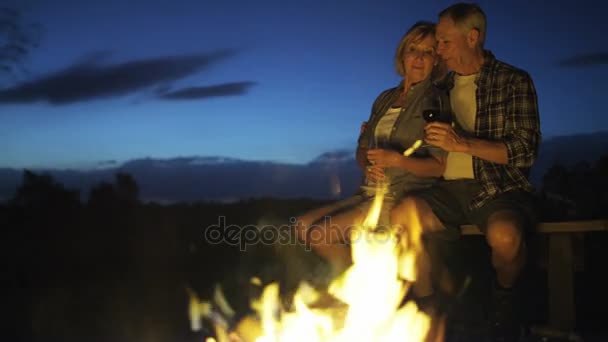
560,267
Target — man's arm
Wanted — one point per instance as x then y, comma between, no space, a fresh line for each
444,136
522,124
522,131
493,151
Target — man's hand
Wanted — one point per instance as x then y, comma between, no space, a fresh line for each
443,136
384,158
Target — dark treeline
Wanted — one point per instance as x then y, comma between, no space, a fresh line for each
576,192
114,268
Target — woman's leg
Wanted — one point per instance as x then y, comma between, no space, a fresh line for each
330,238
326,231
306,220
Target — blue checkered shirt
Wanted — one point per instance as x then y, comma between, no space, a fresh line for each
507,111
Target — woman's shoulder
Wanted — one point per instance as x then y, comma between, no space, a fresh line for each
386,94
389,91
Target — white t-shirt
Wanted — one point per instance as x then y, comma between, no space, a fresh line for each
385,125
462,98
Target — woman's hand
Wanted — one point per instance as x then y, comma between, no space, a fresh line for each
374,173
384,158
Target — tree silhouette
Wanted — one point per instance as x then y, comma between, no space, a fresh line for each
578,192
42,192
582,189
601,175
123,193
555,203
102,195
127,189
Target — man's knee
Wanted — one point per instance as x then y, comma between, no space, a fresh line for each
504,233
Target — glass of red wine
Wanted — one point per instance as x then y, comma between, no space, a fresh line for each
433,109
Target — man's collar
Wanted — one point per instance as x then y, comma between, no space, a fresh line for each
487,66
488,63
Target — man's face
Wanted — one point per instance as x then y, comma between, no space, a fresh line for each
452,44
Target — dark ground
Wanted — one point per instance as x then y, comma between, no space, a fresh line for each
469,312
145,298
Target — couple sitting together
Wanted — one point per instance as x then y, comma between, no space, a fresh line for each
472,169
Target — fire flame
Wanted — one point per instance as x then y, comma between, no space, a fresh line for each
373,288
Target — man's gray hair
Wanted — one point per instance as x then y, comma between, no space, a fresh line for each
467,16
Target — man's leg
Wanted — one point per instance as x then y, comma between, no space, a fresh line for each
505,237
504,221
414,217
421,216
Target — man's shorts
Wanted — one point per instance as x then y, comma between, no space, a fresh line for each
450,199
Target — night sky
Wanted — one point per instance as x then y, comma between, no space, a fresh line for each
280,80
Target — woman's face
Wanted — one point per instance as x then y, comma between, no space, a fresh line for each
419,59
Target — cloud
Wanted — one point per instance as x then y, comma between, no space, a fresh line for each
107,162
88,79
190,93
16,41
585,60
333,157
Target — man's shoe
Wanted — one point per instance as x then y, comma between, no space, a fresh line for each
505,323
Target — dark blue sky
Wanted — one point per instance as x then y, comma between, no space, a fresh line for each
280,80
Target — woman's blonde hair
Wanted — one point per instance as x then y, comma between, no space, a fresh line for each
418,32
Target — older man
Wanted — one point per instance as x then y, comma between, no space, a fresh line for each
491,146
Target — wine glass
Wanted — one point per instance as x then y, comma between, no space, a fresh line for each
433,108
372,186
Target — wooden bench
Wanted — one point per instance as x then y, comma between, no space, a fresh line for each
560,267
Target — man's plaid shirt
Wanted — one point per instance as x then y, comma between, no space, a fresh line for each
507,111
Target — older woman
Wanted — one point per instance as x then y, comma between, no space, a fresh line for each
395,123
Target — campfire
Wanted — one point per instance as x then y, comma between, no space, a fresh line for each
373,290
